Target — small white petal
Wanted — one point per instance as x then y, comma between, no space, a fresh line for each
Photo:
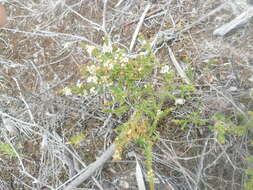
165,69
179,101
92,79
67,91
89,49
91,69
125,59
107,48
79,84
93,91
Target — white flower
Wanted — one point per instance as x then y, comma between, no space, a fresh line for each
165,69
179,101
67,45
91,69
85,93
79,84
125,60
104,79
67,91
159,112
93,91
144,42
117,56
90,49
142,53
93,79
108,64
107,48
108,84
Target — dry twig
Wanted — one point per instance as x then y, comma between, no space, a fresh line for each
139,27
178,67
87,172
239,21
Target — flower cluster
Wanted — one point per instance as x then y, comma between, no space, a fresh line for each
113,67
67,91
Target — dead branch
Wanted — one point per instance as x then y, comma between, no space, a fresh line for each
139,26
236,23
87,172
197,22
178,67
150,14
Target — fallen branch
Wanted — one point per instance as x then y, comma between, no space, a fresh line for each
87,172
172,34
139,27
178,67
187,28
236,23
228,100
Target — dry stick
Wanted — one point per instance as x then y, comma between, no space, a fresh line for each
173,58
23,171
97,26
118,4
139,27
190,26
178,68
150,14
23,99
104,16
53,34
201,166
228,99
202,18
87,172
235,23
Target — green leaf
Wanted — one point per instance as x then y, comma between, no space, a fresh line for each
120,110
76,139
6,149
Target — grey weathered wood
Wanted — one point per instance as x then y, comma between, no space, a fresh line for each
250,2
178,67
239,21
87,172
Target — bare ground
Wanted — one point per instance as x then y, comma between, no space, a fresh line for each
40,54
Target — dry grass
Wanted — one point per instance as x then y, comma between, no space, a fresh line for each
40,54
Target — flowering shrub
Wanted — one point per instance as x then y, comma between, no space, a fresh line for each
135,85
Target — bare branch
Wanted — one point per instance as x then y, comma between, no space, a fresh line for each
178,67
87,172
239,21
139,27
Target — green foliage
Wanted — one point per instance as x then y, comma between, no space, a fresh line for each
6,149
136,85
76,139
193,118
249,172
212,61
224,125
